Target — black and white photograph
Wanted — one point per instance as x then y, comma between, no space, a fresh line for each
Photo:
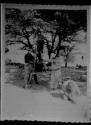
45,60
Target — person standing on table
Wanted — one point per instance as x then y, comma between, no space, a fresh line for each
29,68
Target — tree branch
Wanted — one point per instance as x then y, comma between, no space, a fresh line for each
48,47
53,41
26,35
19,41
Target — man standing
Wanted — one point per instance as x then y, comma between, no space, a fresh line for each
29,68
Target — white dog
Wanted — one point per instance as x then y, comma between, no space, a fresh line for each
70,88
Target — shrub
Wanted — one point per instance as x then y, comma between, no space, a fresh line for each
83,78
81,67
8,61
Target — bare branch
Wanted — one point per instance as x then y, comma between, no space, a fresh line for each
19,41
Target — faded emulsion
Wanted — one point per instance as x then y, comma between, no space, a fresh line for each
46,63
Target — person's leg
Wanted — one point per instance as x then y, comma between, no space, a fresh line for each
30,79
30,75
35,78
26,75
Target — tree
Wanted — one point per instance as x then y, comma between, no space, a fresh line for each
82,58
68,55
62,27
21,25
16,26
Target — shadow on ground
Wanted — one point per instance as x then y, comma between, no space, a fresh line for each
61,96
57,95
16,78
43,84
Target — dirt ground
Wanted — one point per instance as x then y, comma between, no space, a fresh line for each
29,104
39,103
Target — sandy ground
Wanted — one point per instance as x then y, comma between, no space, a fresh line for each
27,104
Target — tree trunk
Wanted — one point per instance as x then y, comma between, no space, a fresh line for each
58,46
66,60
49,54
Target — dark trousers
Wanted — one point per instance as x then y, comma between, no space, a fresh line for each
32,76
29,74
35,79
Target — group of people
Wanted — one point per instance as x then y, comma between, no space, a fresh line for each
69,87
30,67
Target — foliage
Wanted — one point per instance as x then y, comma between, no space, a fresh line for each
6,50
68,53
31,28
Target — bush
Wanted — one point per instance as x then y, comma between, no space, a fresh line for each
83,78
74,74
6,50
81,67
19,74
8,61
